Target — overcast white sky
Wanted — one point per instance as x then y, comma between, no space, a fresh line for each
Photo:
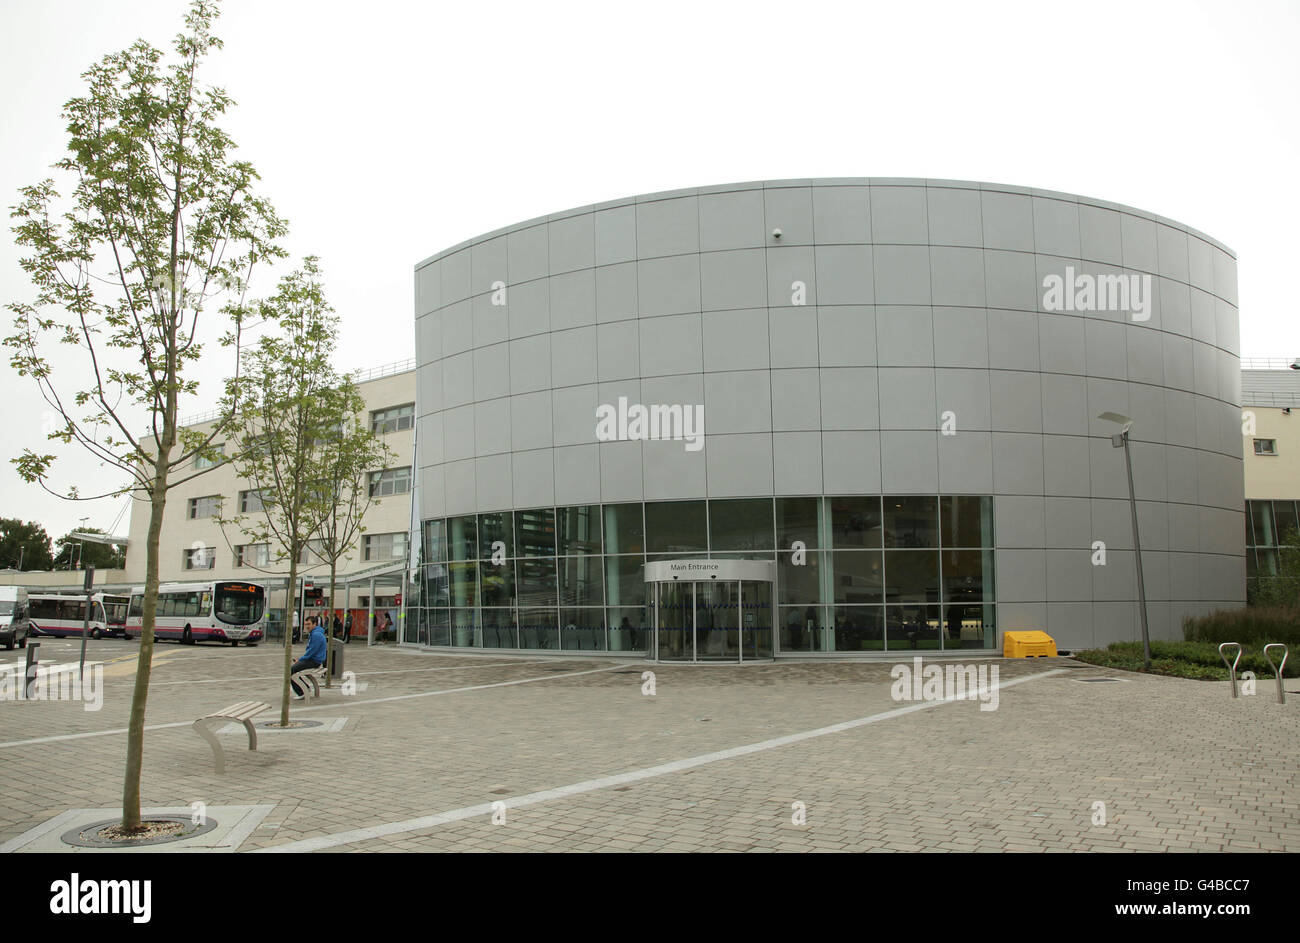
387,131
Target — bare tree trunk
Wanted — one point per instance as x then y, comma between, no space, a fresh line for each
144,661
333,571
291,605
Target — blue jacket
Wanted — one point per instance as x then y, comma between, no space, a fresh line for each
316,645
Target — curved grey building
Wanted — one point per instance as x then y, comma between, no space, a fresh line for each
899,383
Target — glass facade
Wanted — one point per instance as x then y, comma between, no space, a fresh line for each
853,574
1270,526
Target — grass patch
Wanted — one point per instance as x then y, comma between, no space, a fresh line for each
1196,660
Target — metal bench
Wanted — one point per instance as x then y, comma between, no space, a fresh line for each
309,678
243,713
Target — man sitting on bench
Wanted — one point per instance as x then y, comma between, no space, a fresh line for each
314,657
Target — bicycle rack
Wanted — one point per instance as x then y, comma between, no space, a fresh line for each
1232,668
1277,669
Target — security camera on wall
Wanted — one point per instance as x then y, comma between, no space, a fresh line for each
1295,364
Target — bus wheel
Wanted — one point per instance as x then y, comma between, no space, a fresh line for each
94,633
187,638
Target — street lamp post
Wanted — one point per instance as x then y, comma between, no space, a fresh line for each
81,545
1120,440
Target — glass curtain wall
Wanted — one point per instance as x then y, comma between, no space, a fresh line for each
854,573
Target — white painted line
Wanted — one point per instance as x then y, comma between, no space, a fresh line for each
382,671
328,725
324,707
472,687
604,782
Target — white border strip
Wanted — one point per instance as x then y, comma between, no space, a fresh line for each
604,782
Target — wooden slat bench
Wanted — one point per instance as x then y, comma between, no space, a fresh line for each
243,713
309,678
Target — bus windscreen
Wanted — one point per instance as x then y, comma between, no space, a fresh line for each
239,603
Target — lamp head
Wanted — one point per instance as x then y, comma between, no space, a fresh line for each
1123,420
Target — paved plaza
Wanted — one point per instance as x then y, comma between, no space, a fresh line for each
443,752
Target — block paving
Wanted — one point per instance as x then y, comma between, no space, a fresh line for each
1179,765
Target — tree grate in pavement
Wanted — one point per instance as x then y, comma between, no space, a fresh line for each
91,836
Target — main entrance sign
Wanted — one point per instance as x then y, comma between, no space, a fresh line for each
662,571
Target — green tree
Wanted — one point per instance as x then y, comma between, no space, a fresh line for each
351,453
24,546
88,553
162,226
290,409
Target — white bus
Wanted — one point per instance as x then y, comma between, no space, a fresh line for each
64,614
215,611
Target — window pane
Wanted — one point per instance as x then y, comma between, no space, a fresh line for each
580,581
855,522
741,525
462,537
463,578
1262,519
911,576
625,581
796,519
499,629
578,530
966,521
675,526
463,622
800,584
911,522
859,628
536,581
582,630
497,583
493,528
535,533
628,629
437,587
440,627
1285,516
969,627
800,628
624,532
859,577
538,629
434,545
909,628
967,575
